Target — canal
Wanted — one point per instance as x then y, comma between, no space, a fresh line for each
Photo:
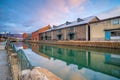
73,63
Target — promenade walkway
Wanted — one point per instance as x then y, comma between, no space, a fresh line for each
4,65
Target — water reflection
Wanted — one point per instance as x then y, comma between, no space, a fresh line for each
112,59
25,46
93,60
76,64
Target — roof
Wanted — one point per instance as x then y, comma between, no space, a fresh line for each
106,19
73,23
43,29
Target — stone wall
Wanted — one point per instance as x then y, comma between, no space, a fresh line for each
79,33
102,44
13,59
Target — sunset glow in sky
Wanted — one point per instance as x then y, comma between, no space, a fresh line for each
18,16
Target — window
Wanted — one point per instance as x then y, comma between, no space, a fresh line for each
71,36
59,31
45,37
71,29
115,33
59,37
116,21
41,37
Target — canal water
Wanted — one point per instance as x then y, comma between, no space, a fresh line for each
73,63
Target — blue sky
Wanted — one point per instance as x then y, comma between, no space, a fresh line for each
18,16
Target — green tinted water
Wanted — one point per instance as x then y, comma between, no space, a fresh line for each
73,63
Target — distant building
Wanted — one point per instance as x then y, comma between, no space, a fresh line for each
11,36
25,35
16,37
29,37
5,34
35,35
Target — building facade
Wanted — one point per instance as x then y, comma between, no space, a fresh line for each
105,30
76,30
87,29
35,35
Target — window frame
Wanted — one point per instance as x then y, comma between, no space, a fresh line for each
115,21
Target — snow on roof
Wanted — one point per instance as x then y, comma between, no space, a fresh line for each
49,29
73,23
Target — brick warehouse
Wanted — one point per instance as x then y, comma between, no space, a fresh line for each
87,29
35,35
76,30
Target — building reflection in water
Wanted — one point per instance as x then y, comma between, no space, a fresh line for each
25,46
82,59
35,48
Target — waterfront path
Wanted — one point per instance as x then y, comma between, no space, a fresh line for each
4,65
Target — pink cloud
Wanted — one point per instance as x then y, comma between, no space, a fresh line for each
57,11
73,3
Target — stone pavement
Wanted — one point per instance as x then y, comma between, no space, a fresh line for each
4,65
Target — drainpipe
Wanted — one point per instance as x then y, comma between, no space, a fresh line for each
87,32
51,35
74,34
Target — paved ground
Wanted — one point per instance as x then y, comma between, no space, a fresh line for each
4,66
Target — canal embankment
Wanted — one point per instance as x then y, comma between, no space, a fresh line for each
13,60
94,44
36,73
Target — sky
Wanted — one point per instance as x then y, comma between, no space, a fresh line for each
19,16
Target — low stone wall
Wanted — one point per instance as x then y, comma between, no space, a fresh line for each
13,64
101,44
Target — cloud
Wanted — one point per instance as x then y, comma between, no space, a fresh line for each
110,13
58,11
28,18
73,3
15,28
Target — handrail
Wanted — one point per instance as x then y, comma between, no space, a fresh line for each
22,58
